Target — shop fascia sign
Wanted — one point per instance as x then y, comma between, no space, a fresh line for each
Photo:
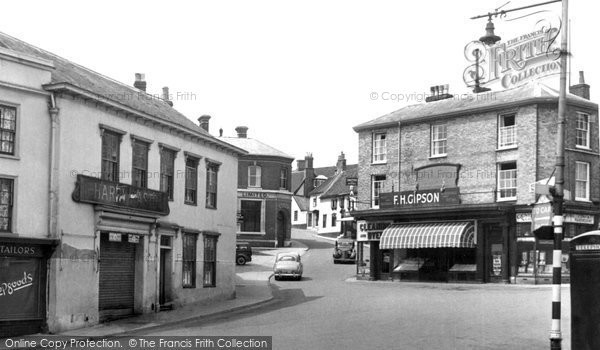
117,237
513,63
96,191
370,230
420,198
568,218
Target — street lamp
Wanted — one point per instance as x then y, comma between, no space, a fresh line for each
558,193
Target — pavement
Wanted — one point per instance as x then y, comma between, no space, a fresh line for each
253,289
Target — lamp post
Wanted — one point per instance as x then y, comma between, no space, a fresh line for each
558,192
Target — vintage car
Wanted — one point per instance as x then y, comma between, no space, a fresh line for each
344,251
243,253
287,265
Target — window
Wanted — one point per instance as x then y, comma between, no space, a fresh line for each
140,163
376,187
438,140
582,181
189,260
254,176
324,220
309,219
211,185
110,155
314,201
379,148
283,179
191,180
333,219
582,136
507,131
167,171
8,129
507,181
251,211
333,204
295,215
210,261
6,204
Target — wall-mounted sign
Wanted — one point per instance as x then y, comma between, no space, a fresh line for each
261,195
351,181
19,249
114,237
133,238
514,62
541,215
96,191
420,198
370,230
579,218
20,288
437,176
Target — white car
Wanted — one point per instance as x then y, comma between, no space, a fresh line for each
287,265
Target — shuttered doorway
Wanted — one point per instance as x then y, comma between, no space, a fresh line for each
117,278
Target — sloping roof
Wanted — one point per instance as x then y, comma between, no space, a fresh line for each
459,105
336,185
302,203
297,180
255,147
67,73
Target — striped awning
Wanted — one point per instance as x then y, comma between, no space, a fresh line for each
431,235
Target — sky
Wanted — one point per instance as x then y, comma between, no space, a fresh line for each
299,75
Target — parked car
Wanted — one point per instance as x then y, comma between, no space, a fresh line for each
243,253
344,251
287,265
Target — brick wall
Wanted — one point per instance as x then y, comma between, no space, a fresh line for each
270,172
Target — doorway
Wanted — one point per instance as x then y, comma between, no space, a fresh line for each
164,276
281,228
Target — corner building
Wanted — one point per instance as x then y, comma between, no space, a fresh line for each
449,186
112,203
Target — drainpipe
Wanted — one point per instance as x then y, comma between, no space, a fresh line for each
53,167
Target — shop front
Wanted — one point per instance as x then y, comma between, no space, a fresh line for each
534,255
23,277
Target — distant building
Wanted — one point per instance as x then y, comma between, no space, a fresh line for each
264,192
323,196
112,203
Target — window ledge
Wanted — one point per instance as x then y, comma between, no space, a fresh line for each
10,156
511,199
585,200
212,208
379,163
499,149
439,156
585,148
209,286
191,203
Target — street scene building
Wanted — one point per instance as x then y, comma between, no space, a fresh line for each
449,185
264,192
331,202
112,203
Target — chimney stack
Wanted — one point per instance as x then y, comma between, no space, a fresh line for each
140,82
309,175
341,163
203,122
439,92
308,161
166,96
582,89
301,164
242,131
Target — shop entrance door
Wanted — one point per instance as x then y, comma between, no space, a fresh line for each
117,277
164,278
494,253
386,264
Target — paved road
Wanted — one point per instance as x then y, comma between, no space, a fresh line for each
325,311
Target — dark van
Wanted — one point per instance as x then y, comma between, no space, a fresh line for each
243,253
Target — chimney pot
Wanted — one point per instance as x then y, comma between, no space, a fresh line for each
581,78
221,132
140,82
242,131
203,122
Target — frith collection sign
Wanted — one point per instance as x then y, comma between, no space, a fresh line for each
421,198
96,191
514,62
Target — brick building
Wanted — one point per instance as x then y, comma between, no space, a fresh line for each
448,185
264,192
112,202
